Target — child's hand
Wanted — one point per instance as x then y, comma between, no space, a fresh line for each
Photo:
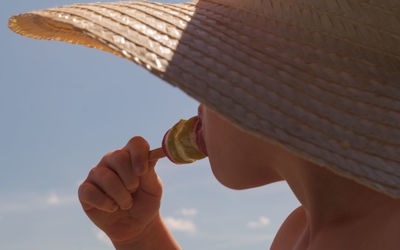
122,194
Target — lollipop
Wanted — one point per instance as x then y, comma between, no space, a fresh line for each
183,143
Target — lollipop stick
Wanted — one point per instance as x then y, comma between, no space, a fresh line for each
156,154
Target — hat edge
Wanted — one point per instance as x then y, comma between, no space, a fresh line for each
38,25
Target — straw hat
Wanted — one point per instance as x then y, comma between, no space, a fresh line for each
319,77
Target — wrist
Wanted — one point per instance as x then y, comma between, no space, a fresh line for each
155,236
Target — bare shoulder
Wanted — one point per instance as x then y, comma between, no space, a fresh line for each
290,230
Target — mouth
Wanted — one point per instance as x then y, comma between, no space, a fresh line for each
200,137
200,111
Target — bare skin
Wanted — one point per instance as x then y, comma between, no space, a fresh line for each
122,195
336,213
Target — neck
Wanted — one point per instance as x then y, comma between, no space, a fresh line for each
330,200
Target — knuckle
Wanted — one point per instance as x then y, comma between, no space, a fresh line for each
126,198
133,185
85,190
116,158
104,202
92,172
108,156
89,193
101,200
81,190
138,142
136,139
106,175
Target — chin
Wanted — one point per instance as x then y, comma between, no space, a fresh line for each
241,181
234,182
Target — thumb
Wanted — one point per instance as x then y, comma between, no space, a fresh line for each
150,182
138,149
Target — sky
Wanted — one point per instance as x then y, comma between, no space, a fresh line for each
62,107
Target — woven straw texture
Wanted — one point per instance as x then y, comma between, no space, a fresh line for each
319,77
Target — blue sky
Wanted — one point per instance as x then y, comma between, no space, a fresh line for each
62,107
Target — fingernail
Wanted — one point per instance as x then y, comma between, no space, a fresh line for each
130,204
114,208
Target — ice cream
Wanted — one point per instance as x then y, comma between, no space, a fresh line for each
183,143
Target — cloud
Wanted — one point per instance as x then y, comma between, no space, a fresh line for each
234,240
262,222
32,201
101,236
188,211
55,199
181,225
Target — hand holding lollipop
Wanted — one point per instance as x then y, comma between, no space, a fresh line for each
116,193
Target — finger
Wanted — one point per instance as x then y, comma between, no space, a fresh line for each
120,161
150,182
109,182
138,149
90,196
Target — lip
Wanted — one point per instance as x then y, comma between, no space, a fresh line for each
200,111
200,137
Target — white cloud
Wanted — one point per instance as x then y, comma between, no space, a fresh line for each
101,236
234,240
181,225
188,211
32,201
55,199
261,222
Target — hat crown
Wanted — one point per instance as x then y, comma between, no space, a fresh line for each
319,77
375,25
381,14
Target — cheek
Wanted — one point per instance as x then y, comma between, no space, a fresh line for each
223,158
239,160
229,151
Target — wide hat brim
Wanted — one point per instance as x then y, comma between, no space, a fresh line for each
320,79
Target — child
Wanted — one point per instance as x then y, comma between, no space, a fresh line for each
122,194
301,91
